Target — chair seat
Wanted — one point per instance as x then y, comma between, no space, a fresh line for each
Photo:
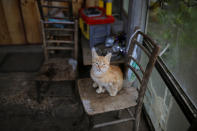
56,70
100,103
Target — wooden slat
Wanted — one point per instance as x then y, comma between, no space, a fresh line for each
59,29
59,41
47,22
31,21
76,40
113,122
130,57
142,47
100,103
4,32
59,0
59,48
135,72
54,17
59,7
14,21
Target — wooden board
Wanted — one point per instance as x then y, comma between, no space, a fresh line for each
4,33
87,55
100,103
14,21
31,19
56,70
76,6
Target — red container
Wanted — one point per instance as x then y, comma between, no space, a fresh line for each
94,20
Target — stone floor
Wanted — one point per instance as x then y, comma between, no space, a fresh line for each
60,109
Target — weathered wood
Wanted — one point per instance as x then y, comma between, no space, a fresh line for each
68,22
14,21
135,72
31,19
59,48
141,69
59,7
152,54
76,6
76,40
4,32
57,35
100,103
113,122
59,29
60,41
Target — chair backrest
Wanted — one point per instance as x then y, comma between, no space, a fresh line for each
151,50
49,8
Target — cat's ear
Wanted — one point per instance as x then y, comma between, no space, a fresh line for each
108,56
94,54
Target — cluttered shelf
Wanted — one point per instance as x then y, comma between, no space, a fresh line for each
87,56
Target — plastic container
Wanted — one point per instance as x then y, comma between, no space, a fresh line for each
96,29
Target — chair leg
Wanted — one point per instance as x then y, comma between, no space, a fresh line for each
118,115
38,86
91,123
137,122
137,117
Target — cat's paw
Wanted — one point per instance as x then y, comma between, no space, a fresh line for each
95,85
103,90
113,93
98,90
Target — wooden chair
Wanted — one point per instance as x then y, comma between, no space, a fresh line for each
59,26
127,98
60,32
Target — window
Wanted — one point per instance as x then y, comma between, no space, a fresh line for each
172,24
126,6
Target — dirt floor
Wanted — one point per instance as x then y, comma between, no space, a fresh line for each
60,108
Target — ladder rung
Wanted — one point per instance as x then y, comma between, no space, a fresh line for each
60,34
59,48
68,22
60,41
59,7
113,122
58,29
67,18
58,0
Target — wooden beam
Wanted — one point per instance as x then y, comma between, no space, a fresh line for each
31,19
14,21
4,32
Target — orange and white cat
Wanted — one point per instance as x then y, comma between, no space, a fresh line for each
105,76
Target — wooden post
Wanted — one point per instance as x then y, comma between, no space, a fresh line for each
44,41
76,40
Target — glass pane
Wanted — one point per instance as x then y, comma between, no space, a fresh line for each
174,27
161,106
126,5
